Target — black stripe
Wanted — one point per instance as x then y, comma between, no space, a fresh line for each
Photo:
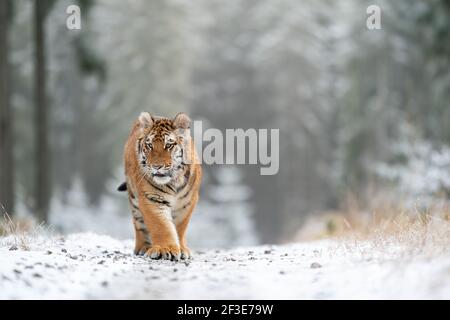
156,187
186,179
171,188
194,177
139,219
159,189
139,145
180,188
134,206
158,200
183,207
182,156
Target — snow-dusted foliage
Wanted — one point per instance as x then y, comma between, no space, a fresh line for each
419,169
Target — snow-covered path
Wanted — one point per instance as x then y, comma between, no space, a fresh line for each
89,266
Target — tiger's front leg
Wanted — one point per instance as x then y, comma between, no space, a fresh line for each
142,236
157,217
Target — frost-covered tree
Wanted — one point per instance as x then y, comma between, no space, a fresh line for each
399,76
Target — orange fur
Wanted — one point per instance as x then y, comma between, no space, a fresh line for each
162,208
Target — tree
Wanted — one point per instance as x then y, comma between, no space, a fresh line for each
41,116
75,79
6,127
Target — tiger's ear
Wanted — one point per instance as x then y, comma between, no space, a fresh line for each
145,120
181,121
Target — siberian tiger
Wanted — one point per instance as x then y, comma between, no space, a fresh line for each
163,177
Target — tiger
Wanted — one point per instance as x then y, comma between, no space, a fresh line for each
163,178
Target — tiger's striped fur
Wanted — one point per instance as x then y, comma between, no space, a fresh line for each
163,177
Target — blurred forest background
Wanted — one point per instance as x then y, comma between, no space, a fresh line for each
363,114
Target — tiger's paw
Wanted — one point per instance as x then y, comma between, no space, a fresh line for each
185,252
140,251
164,252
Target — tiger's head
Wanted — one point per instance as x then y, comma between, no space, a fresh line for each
162,146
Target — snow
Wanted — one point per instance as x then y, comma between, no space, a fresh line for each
91,266
76,215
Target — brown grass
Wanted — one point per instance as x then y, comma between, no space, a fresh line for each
385,223
18,232
15,231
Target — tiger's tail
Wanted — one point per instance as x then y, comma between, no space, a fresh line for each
122,187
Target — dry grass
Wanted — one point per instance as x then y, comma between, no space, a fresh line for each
391,220
19,232
385,224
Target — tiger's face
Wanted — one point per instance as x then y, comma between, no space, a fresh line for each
161,146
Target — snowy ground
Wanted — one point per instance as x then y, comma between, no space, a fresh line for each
89,266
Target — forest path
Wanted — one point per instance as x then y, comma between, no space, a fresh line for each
89,266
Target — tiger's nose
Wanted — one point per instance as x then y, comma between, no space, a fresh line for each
157,166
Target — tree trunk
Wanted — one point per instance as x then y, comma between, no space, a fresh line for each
42,152
6,123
